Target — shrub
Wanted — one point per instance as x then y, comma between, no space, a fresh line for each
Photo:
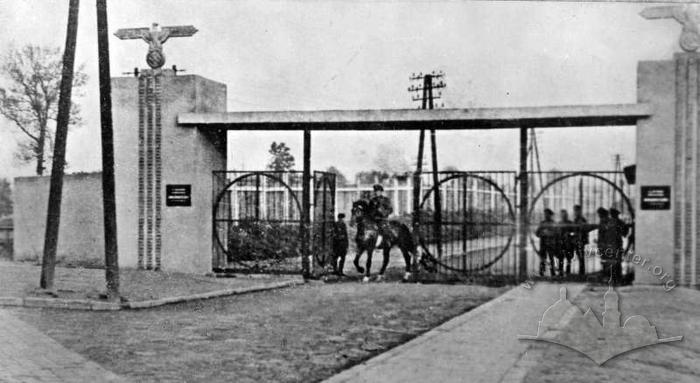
253,240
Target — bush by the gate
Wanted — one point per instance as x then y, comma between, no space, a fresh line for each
254,240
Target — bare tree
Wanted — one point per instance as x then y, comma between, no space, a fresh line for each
29,97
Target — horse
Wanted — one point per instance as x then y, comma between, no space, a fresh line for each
366,240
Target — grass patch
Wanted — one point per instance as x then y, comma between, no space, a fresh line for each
301,334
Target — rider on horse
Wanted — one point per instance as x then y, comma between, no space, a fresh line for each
380,209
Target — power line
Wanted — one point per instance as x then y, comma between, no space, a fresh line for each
424,91
426,97
533,151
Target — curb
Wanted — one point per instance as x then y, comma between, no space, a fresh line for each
91,305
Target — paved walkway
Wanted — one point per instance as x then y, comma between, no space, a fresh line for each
26,355
479,346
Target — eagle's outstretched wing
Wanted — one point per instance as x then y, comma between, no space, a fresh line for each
131,33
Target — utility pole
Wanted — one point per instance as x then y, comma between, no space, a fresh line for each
427,102
618,179
108,184
533,152
53,217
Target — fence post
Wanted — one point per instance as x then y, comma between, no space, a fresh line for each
306,205
397,207
285,197
524,219
465,218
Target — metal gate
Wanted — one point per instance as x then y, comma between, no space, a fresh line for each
560,190
474,231
258,224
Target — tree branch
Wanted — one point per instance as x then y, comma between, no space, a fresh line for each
19,125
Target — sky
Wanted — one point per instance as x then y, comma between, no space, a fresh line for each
315,55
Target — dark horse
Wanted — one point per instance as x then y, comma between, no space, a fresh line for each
366,240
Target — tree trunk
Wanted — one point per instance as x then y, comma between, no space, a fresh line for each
40,149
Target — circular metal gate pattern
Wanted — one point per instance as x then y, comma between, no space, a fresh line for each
560,179
232,223
498,245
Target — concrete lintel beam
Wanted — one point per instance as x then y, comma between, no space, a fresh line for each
393,119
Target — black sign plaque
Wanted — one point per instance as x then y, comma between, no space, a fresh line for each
178,195
656,197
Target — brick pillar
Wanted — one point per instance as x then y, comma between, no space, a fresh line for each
150,170
686,163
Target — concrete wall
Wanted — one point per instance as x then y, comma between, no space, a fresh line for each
125,113
189,157
81,235
655,166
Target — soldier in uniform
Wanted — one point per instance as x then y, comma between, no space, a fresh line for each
621,231
606,241
581,238
340,244
547,233
381,209
567,241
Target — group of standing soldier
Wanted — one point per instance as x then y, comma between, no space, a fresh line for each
562,240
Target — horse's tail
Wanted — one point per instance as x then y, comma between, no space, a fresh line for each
411,244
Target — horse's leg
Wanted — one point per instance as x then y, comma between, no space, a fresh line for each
407,258
368,263
356,262
385,263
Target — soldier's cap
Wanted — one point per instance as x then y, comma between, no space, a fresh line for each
378,187
548,212
614,211
602,211
341,216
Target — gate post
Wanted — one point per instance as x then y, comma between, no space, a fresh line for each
306,205
523,211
